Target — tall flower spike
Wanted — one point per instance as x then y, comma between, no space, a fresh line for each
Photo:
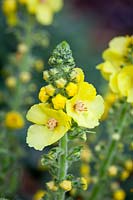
62,56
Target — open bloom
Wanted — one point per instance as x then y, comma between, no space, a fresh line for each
44,9
118,49
122,83
107,69
50,125
86,107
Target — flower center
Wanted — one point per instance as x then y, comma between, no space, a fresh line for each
80,106
52,123
42,1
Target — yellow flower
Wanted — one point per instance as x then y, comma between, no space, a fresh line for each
25,77
44,14
119,195
117,50
39,195
107,69
55,6
124,175
45,75
66,185
77,75
12,19
44,10
60,83
85,169
39,64
84,183
71,89
51,185
22,48
9,6
86,154
86,107
11,82
59,101
112,171
14,120
50,90
122,83
109,100
43,97
50,126
129,165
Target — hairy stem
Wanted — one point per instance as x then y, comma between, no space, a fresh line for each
111,151
62,165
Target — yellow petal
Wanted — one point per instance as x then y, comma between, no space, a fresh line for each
107,69
113,56
124,83
118,44
90,117
130,96
55,6
86,91
36,114
44,14
114,83
32,6
39,136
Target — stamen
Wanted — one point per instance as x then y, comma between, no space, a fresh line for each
80,106
52,123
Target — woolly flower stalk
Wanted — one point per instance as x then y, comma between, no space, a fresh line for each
75,101
117,67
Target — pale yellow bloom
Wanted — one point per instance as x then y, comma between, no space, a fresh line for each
112,171
9,6
59,101
107,69
39,65
14,120
119,195
66,185
86,154
39,195
22,48
71,89
11,82
124,175
51,185
86,107
50,126
25,76
122,83
117,50
129,165
44,10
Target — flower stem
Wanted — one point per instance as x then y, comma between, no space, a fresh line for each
111,151
63,165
